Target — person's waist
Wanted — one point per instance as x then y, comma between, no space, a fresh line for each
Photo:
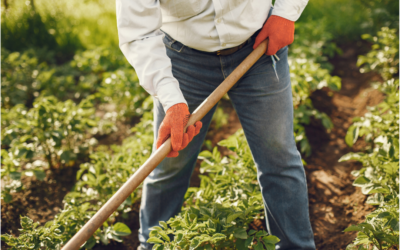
220,50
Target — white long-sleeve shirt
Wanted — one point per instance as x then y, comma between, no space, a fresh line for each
206,25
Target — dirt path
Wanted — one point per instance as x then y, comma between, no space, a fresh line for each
334,202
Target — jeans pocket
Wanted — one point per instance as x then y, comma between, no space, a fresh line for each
172,44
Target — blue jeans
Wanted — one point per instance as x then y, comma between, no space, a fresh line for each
265,109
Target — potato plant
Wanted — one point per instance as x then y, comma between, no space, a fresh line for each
121,89
384,56
217,215
57,232
29,74
379,176
51,135
97,181
17,77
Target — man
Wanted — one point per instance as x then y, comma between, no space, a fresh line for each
181,50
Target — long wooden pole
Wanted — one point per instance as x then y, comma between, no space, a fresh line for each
134,181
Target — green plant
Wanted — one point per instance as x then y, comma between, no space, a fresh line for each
17,77
121,88
217,215
384,56
50,135
29,74
220,118
97,182
57,232
379,176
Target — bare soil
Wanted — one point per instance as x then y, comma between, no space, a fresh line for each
334,202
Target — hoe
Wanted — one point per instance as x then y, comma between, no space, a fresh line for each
134,181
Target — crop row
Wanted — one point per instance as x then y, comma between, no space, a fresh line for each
379,176
218,214
97,181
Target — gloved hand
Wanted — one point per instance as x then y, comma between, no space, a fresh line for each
280,32
172,126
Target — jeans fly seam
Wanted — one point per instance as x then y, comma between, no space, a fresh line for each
222,67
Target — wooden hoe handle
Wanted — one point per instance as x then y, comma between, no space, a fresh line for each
134,181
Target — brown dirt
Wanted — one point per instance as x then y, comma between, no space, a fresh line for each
334,202
40,200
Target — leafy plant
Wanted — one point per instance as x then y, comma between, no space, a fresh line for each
379,176
50,135
17,77
121,89
217,215
57,232
384,56
220,118
97,182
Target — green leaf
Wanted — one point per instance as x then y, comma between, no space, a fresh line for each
218,236
85,206
270,239
353,228
158,247
233,217
39,174
89,244
240,233
163,224
240,244
194,244
154,240
381,190
251,232
7,197
352,135
259,246
375,199
179,238
248,241
24,138
16,176
394,224
351,156
269,246
261,233
121,229
361,181
26,222
164,236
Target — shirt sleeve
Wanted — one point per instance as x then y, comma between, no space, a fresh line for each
141,42
289,9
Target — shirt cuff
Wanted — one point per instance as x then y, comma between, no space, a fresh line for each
289,9
169,94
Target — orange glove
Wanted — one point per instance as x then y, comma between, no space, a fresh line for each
172,126
280,32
